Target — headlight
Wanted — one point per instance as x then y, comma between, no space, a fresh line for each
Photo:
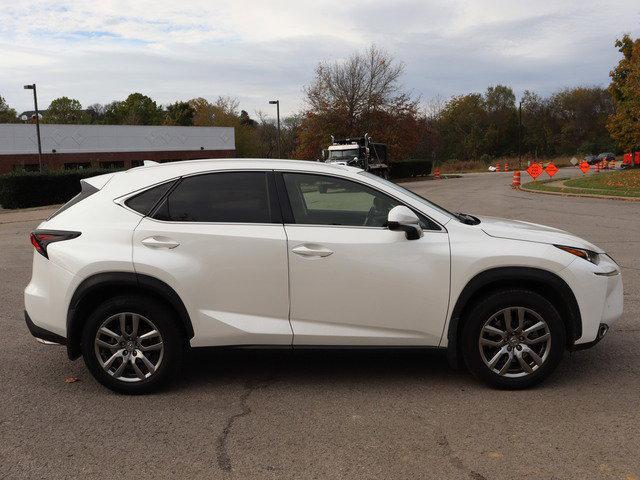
580,252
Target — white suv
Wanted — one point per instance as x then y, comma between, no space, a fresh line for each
145,263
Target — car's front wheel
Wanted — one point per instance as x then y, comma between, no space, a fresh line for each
513,339
131,344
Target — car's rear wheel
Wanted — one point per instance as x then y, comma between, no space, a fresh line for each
131,344
513,339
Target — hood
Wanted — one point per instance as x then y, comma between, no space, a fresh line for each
532,232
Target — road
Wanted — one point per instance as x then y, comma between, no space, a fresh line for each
269,414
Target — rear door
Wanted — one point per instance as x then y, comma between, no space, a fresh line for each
352,280
218,240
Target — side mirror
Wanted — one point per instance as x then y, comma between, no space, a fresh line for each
403,218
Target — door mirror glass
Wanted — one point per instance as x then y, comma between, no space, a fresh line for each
403,218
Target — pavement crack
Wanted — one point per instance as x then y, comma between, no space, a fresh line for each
454,460
222,448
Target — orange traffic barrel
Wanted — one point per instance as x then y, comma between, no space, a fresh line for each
516,179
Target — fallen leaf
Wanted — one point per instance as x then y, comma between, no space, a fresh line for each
495,455
71,380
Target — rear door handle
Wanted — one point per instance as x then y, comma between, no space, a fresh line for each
311,251
159,242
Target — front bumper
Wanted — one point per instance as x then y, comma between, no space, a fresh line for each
43,335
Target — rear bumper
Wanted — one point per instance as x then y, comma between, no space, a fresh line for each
43,335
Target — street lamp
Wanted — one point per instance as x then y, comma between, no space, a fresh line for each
35,103
520,133
277,104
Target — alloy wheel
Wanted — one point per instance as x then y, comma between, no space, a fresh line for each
129,347
515,342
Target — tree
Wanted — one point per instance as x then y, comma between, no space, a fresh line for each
502,121
359,95
624,123
580,116
96,113
7,114
136,109
462,127
179,113
65,110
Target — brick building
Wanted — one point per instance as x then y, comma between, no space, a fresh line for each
108,146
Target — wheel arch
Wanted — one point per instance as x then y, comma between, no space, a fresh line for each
96,289
544,282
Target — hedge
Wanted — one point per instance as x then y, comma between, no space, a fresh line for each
410,168
34,189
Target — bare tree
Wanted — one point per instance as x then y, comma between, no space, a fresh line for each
365,83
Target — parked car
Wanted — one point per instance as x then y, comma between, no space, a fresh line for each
608,156
146,263
591,159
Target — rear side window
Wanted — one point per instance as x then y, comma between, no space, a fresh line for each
144,202
232,197
87,191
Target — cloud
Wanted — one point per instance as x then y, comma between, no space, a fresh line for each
101,51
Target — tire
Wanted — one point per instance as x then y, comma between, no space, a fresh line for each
116,360
526,355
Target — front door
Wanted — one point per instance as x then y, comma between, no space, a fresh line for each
352,280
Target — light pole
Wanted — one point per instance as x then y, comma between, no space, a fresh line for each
35,103
277,104
520,133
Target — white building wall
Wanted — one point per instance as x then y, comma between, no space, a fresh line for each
21,138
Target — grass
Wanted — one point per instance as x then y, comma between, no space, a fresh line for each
625,183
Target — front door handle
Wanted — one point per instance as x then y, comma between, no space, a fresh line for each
311,251
159,242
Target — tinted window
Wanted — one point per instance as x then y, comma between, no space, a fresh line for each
144,202
219,197
322,200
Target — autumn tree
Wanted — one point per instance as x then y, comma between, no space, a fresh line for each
624,123
7,114
65,110
359,95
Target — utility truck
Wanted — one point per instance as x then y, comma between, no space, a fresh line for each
358,152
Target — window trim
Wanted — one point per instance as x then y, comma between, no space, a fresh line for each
291,221
275,208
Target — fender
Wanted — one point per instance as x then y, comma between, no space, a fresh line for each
103,285
536,279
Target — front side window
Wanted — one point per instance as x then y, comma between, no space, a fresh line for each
230,197
324,200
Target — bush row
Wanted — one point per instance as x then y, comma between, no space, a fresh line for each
34,189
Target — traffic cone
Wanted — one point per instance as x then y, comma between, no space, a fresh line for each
497,167
506,167
515,184
436,173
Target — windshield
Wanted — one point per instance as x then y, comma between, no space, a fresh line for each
413,195
343,154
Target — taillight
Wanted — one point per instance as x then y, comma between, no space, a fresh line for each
40,239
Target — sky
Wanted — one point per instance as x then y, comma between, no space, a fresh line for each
102,50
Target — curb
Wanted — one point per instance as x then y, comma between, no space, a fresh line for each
583,195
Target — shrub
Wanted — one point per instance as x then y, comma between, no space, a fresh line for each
35,189
410,168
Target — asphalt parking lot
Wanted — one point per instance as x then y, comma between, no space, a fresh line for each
269,414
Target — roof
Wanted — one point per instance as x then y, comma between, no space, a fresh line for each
144,176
